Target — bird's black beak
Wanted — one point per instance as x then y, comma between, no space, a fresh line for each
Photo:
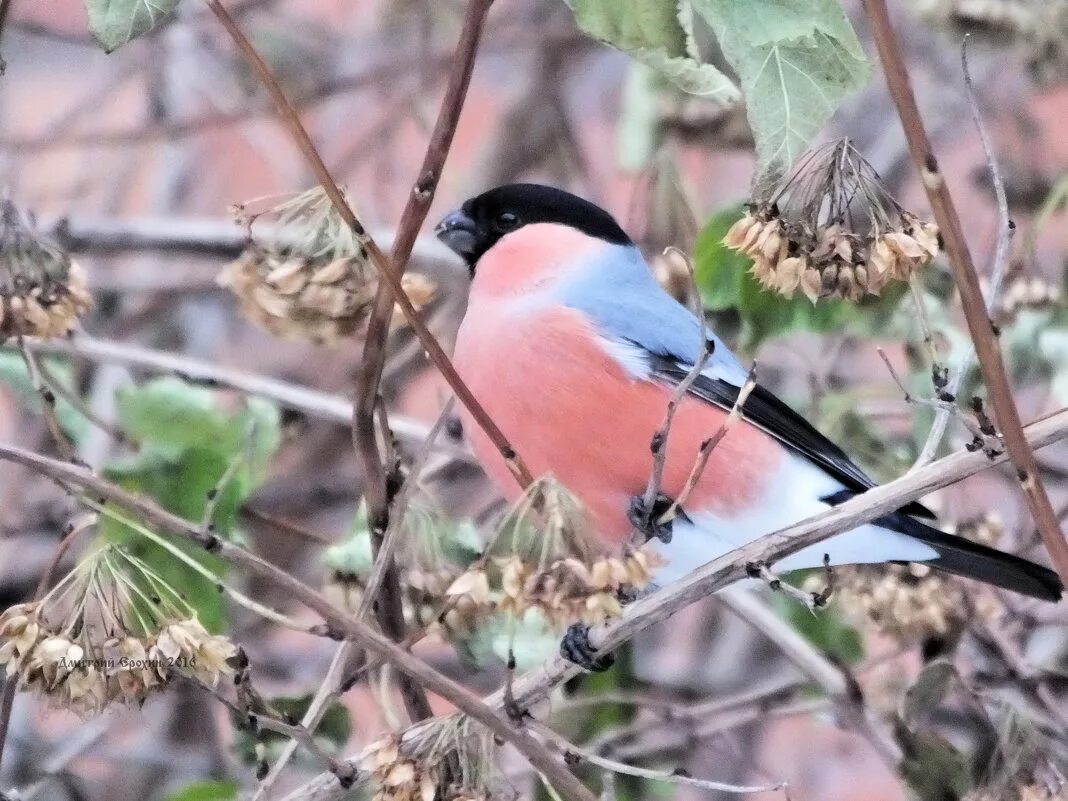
460,233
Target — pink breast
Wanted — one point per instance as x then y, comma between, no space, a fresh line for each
571,410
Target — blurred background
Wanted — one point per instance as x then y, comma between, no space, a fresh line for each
133,161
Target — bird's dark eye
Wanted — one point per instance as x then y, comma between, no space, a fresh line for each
505,221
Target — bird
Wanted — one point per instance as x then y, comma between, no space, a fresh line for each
574,350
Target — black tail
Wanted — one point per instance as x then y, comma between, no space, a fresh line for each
970,559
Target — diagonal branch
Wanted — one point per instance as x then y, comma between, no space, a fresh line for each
312,402
337,623
979,324
377,474
381,262
1005,230
536,685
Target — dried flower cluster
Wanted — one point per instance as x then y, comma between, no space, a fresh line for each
111,631
398,777
1024,292
42,292
832,230
313,280
402,777
913,602
551,565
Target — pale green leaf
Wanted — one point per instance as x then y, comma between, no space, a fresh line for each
637,133
14,375
656,33
205,791
796,60
113,23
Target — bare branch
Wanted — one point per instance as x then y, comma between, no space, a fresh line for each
537,684
337,623
975,312
1006,229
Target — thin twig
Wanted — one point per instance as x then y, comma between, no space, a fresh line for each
979,325
537,684
982,438
364,436
48,402
834,680
385,268
260,719
337,624
78,404
709,445
574,753
333,683
658,442
320,405
1006,229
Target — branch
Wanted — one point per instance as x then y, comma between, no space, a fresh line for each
834,680
537,684
575,754
385,268
334,683
187,236
979,325
1006,229
338,624
320,405
364,435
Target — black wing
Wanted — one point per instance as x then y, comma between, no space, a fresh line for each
767,412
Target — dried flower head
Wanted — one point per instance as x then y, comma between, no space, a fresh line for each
1023,292
42,292
913,602
831,229
313,280
403,775
112,630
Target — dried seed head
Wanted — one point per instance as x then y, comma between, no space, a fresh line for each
399,777
831,229
913,602
1023,292
42,292
110,631
313,280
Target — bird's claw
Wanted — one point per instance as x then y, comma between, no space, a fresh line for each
576,647
648,521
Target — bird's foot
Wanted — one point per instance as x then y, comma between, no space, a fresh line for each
576,647
648,521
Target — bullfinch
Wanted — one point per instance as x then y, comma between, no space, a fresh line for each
574,349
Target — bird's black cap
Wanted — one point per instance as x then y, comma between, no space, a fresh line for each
476,226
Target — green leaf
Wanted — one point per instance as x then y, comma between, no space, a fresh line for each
188,444
171,415
932,766
928,690
638,130
796,60
115,22
14,374
725,282
205,791
657,33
